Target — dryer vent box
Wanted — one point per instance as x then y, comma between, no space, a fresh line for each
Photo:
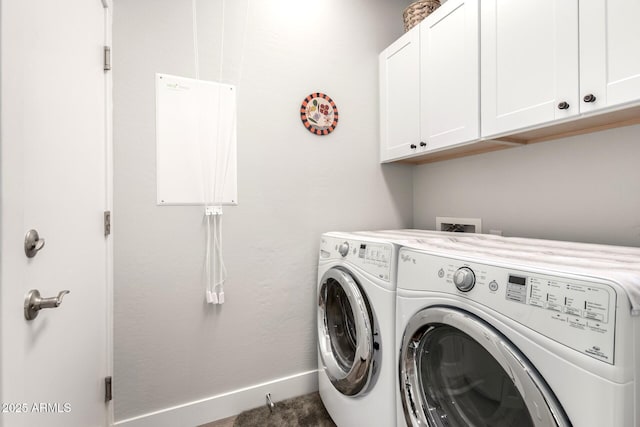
460,225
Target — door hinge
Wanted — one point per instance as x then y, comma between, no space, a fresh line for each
107,223
108,394
107,58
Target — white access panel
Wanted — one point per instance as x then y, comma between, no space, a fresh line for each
195,142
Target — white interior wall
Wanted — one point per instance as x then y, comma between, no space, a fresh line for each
582,188
170,347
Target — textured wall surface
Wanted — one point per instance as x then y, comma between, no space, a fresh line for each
583,188
170,347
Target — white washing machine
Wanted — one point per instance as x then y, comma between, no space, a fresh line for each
518,332
356,325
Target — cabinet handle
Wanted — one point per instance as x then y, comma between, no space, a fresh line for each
563,105
423,144
589,98
413,146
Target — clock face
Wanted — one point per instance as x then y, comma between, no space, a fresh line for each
319,114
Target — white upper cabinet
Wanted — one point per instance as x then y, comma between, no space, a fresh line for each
429,84
529,57
450,90
400,97
609,53
477,76
546,60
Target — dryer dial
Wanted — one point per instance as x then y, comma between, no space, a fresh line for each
464,279
343,249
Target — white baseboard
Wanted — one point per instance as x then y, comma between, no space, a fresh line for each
227,404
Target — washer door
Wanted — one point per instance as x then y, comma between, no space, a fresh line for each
345,334
456,370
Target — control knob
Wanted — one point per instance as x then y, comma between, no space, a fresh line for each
343,249
464,279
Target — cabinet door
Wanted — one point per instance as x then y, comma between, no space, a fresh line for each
449,50
609,52
400,97
529,63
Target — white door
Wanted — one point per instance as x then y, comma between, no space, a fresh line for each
400,97
529,63
450,85
54,177
609,60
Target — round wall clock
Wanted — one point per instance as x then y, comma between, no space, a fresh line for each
319,114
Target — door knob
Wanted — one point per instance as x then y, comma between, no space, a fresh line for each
33,303
32,243
413,146
590,98
563,105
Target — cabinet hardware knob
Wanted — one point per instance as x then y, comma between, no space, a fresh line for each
563,105
413,146
589,98
423,144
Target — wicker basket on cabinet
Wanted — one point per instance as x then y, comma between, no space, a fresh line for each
417,11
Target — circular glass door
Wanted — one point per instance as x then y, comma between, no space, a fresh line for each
345,334
457,371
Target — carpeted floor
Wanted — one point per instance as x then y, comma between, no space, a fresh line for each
302,411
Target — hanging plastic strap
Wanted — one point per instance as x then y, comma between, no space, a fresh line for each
216,272
215,175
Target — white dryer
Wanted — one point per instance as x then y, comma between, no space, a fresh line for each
356,318
518,332
356,325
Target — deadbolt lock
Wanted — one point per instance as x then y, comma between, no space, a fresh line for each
32,243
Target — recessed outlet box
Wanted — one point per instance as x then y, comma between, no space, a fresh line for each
461,225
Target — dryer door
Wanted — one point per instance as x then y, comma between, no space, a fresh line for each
456,370
345,334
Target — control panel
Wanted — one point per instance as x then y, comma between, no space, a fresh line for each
577,313
372,257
